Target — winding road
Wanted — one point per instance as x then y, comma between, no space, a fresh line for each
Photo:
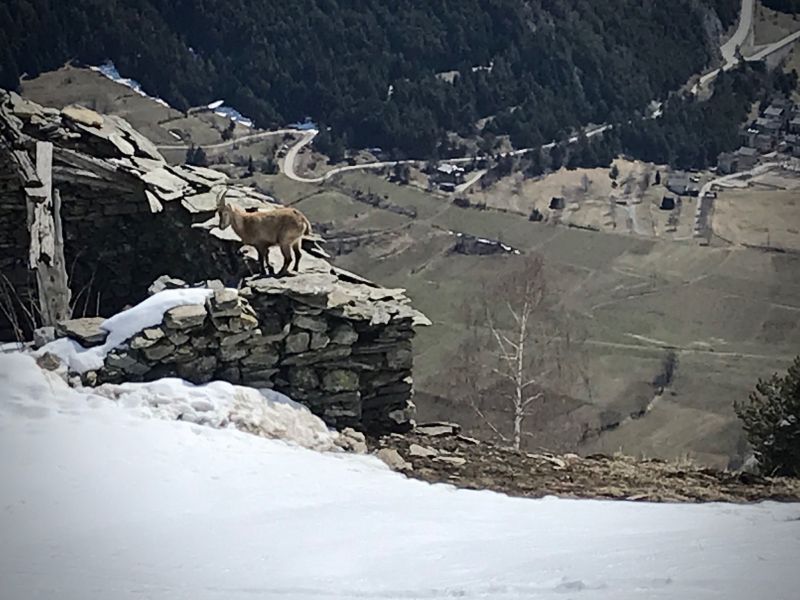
226,143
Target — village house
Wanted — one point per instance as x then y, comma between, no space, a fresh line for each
680,183
448,176
777,113
743,159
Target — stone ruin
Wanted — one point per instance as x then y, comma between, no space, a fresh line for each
325,337
128,217
344,351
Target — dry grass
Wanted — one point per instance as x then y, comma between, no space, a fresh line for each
768,218
771,26
70,85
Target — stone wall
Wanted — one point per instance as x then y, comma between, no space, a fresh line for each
344,352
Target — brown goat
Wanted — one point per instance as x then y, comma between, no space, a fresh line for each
283,227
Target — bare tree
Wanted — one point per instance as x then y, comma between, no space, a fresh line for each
644,181
585,183
518,350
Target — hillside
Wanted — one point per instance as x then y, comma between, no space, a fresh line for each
396,75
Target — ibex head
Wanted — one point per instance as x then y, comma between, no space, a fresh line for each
223,210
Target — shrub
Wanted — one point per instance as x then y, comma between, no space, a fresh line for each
771,419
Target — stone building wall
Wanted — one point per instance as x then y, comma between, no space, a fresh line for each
128,216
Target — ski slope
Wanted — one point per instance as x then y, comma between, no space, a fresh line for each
100,501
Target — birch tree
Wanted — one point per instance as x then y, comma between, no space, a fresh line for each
518,350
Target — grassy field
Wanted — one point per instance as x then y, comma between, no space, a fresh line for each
70,85
769,218
771,26
730,313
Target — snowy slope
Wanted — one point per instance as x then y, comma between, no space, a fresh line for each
97,502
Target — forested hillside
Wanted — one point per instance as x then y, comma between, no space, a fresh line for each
369,68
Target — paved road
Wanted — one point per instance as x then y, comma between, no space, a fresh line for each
244,138
729,48
291,158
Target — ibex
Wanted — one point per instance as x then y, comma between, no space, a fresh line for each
284,227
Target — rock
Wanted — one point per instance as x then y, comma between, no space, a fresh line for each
340,380
393,460
200,370
86,330
178,338
404,417
456,461
310,323
304,378
297,342
318,356
125,147
468,440
214,284
153,333
158,351
418,451
224,303
230,373
351,440
24,108
265,356
43,335
48,361
234,338
165,282
123,361
399,358
140,342
232,353
82,115
319,341
89,378
344,335
185,317
437,429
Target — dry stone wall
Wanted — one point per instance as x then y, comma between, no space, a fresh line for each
345,354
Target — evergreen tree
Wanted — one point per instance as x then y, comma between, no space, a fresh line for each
771,419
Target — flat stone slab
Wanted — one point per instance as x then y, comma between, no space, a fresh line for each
185,317
83,115
437,429
85,331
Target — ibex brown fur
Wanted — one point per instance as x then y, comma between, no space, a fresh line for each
283,227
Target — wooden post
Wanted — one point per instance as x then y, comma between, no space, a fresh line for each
46,253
